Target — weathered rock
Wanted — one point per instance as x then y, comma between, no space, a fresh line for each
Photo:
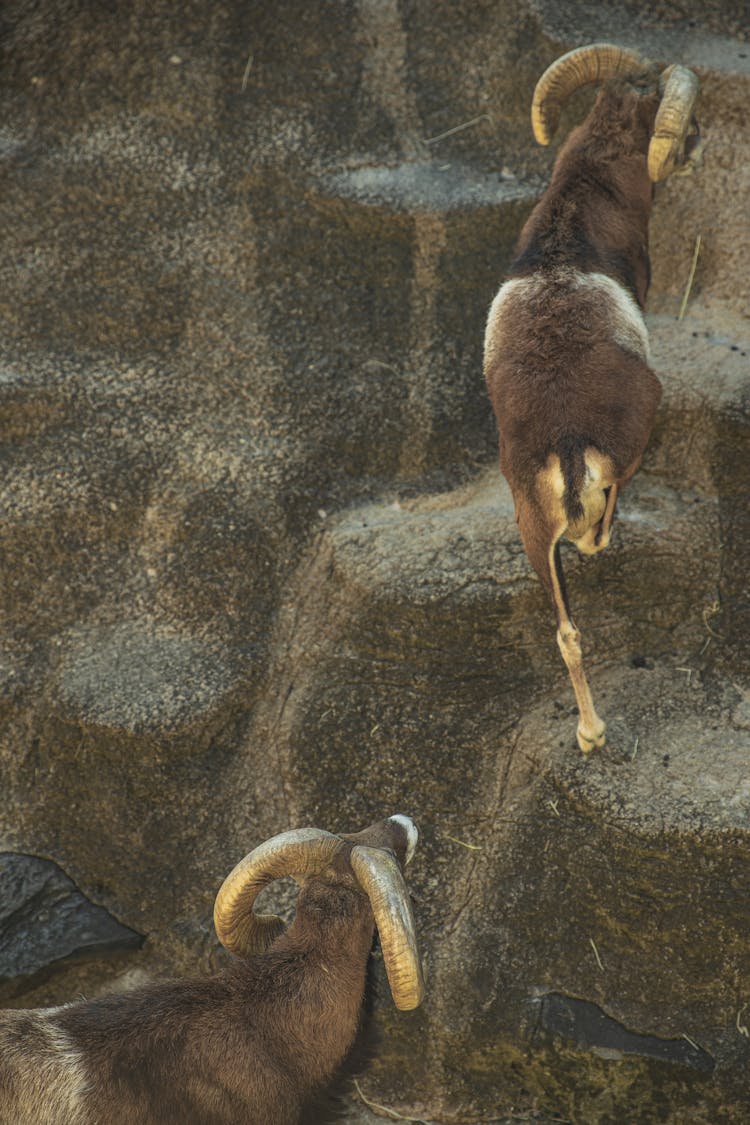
417,644
46,919
259,568
140,680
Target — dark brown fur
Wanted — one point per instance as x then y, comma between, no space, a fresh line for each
594,214
248,1046
566,354
561,383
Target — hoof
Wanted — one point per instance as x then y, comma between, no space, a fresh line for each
588,743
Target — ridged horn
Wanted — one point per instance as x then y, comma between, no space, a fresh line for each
301,852
673,119
595,63
379,876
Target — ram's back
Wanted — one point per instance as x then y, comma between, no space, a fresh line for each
566,364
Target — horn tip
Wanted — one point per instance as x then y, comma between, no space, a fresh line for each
410,1002
543,129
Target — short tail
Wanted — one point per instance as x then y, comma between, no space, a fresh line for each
573,468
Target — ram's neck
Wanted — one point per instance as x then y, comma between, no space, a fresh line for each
317,971
594,215
595,221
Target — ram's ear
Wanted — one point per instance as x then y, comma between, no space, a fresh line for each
379,875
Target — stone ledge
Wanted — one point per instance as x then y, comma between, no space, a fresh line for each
46,920
141,678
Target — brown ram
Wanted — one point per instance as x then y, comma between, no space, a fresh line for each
253,1043
566,346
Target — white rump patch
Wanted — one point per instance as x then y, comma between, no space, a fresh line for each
412,834
628,326
626,319
504,292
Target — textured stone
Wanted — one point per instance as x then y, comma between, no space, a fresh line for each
588,1026
139,679
46,919
260,570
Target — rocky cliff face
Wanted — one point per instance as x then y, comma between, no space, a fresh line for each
259,568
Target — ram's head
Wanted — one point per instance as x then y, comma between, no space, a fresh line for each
675,145
370,861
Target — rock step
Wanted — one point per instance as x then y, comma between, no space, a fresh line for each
610,889
705,374
141,679
431,187
47,920
641,847
433,567
709,35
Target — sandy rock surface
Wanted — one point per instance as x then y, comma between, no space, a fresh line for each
259,568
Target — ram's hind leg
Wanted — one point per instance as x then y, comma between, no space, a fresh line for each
541,540
591,729
602,535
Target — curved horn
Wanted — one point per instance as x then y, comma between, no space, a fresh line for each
379,876
672,121
595,63
304,851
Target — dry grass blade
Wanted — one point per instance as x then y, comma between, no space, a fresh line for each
248,67
458,128
696,252
471,847
596,954
392,1113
